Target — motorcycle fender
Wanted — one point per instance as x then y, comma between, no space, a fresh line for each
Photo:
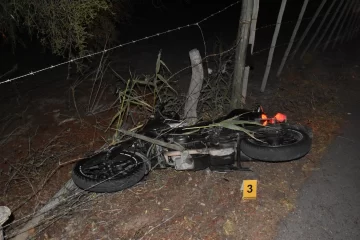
191,162
184,161
222,157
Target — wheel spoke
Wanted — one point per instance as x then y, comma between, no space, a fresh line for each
118,167
275,138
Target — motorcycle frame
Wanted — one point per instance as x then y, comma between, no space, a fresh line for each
229,157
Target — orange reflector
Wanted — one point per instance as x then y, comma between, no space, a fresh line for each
264,117
279,117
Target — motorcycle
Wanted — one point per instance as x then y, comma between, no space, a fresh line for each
220,145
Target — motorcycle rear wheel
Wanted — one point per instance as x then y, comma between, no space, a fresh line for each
99,174
278,144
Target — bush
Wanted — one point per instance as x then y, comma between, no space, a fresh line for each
68,28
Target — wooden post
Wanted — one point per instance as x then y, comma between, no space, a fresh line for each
350,23
329,24
245,85
335,26
242,40
318,29
318,10
252,43
196,83
253,24
273,44
292,37
346,12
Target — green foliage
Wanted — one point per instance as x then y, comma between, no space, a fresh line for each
233,124
68,28
142,94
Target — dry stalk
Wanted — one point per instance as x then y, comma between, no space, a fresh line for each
99,69
73,87
140,95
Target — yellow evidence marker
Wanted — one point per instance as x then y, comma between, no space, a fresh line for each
249,188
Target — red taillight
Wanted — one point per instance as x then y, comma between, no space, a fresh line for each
279,117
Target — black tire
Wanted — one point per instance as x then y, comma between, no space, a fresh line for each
280,143
102,175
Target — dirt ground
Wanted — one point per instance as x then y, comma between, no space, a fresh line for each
42,132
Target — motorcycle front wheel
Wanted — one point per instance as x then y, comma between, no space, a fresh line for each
102,174
278,143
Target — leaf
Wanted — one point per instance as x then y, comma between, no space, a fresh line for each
152,140
242,122
229,227
232,126
115,117
187,133
162,63
164,81
142,103
158,63
201,127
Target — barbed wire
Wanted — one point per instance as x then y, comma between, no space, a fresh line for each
31,73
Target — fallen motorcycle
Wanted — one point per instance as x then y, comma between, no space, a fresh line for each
221,145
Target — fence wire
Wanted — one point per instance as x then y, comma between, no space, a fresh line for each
196,24
121,45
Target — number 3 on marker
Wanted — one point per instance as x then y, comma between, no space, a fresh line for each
250,188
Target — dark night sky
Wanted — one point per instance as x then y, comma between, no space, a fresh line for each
152,16
162,14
